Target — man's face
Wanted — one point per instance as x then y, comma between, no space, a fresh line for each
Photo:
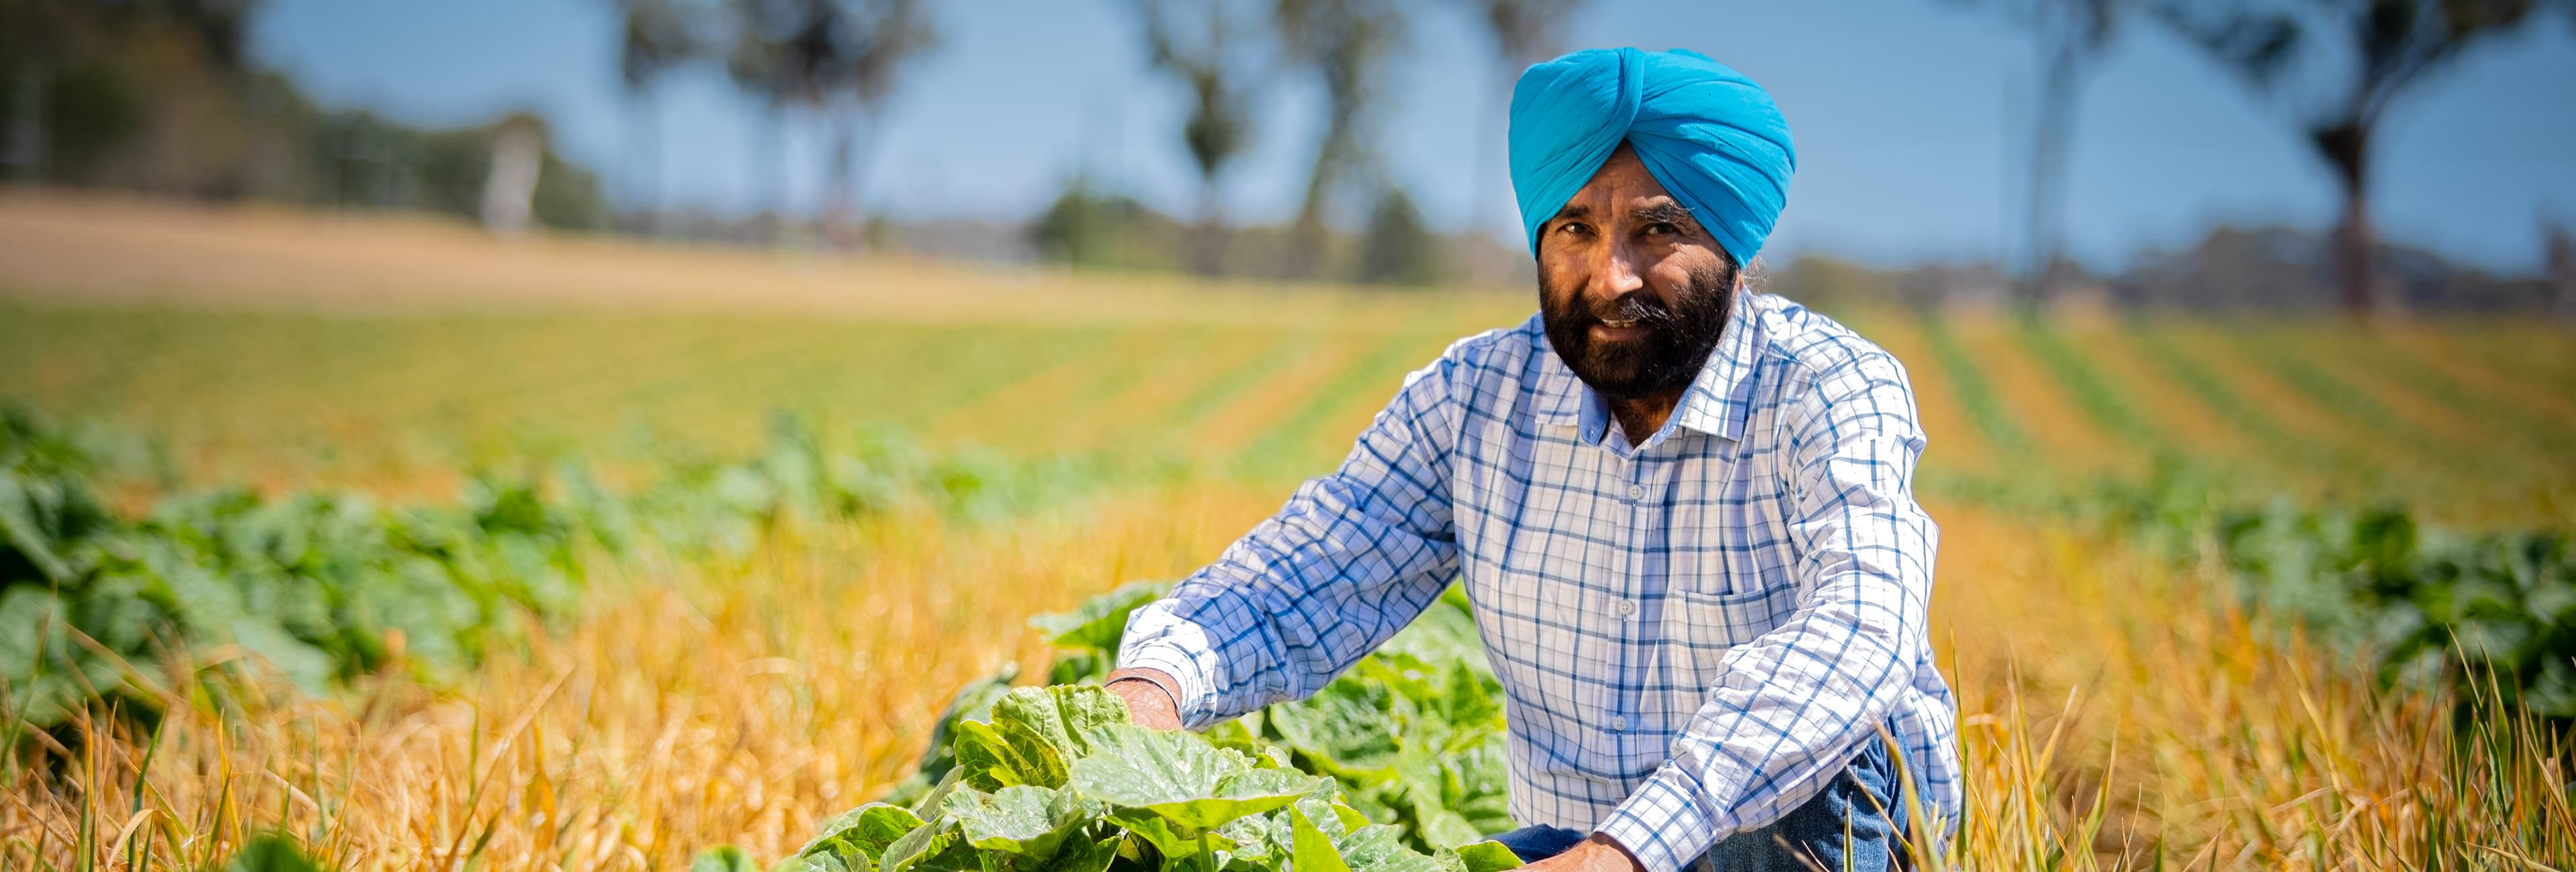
1634,293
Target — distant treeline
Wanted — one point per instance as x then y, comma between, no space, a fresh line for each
2254,271
160,97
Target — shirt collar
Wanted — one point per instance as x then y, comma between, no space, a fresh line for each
1717,403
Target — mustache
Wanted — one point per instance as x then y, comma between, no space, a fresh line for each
1637,306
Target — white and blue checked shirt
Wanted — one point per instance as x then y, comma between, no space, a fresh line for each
1695,633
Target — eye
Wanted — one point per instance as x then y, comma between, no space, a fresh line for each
1575,228
1661,228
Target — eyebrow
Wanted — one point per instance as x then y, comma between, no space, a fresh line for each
1573,212
1666,212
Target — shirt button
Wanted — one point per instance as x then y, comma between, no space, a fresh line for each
1636,491
1619,725
1627,607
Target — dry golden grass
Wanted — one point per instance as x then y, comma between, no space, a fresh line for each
2115,716
690,707
2111,719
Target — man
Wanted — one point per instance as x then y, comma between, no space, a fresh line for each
1683,512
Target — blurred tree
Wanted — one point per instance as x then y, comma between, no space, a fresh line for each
1199,44
882,36
2561,248
1085,228
1346,43
1397,249
836,58
2069,36
1525,32
656,37
2361,55
146,92
757,62
33,37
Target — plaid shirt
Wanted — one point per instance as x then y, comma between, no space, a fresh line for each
1695,633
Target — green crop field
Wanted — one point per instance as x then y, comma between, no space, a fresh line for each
2447,415
829,494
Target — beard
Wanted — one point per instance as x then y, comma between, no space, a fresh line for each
1678,337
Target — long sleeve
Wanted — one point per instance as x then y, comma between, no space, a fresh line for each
1794,705
1352,558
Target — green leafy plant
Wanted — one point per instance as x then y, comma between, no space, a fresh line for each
102,609
2489,616
1058,780
1413,734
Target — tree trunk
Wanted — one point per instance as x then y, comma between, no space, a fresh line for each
836,230
2562,273
2347,149
2052,124
25,150
776,175
643,169
2353,271
1207,250
1306,239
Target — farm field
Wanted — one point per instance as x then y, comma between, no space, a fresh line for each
2443,415
2118,711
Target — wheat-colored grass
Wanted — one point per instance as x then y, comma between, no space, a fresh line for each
2112,718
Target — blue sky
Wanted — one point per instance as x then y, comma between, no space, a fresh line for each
1907,115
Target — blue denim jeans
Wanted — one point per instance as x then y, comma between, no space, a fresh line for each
1855,823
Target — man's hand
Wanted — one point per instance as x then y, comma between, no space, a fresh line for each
1596,854
1148,704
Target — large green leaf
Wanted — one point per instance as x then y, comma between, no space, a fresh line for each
1029,821
22,529
1346,724
922,844
1313,851
1168,839
1060,717
1181,778
723,858
988,762
1077,855
869,828
1485,856
1381,848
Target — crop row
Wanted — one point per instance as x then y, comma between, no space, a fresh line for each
176,604
2437,414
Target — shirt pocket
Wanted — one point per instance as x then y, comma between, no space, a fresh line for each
1702,628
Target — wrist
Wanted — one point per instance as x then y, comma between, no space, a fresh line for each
1612,854
1149,696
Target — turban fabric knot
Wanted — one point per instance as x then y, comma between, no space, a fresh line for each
1712,137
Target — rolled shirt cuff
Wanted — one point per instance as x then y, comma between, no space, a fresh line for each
1663,823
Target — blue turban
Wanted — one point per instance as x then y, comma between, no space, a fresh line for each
1711,136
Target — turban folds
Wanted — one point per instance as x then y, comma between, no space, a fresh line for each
1712,137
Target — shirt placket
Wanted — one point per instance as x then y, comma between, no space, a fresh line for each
1641,487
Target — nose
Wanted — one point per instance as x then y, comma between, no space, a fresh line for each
1616,274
